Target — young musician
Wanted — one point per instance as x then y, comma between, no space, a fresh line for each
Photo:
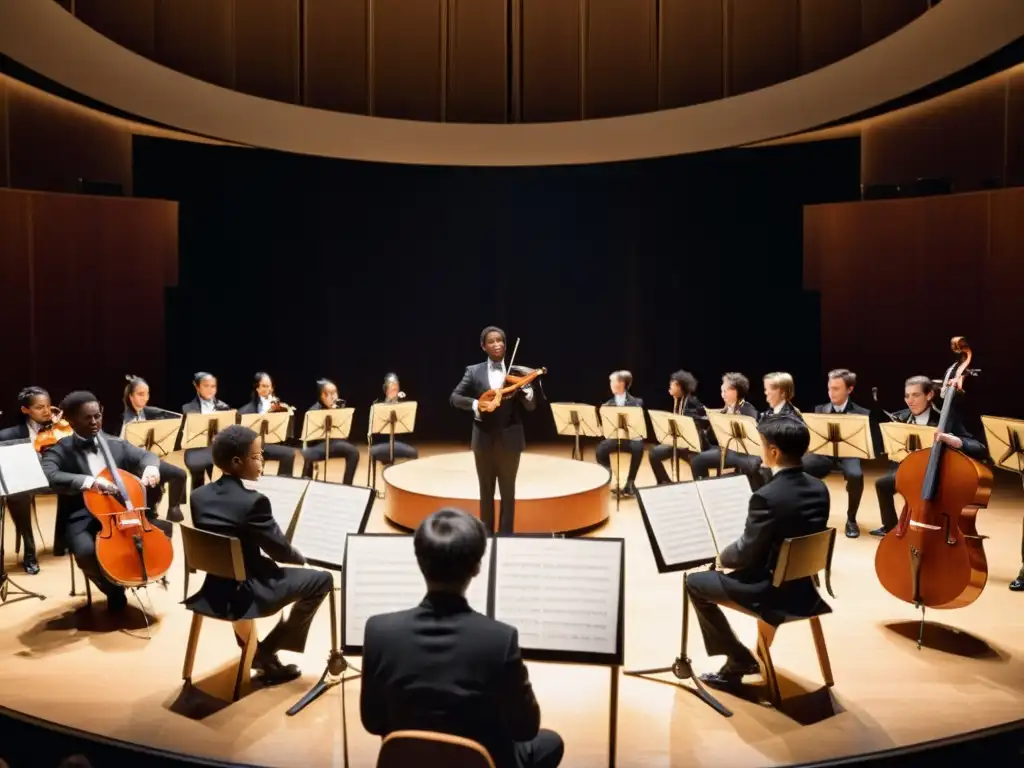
37,414
918,393
682,386
263,400
498,439
199,461
228,508
840,387
791,504
381,448
778,391
316,450
620,382
466,665
735,387
137,408
72,466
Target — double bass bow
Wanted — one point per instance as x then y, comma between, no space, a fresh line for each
512,383
934,557
130,550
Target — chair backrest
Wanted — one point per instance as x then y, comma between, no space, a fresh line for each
213,553
402,749
805,556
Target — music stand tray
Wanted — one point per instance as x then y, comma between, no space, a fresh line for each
271,427
840,435
201,428
900,440
327,424
20,472
734,432
576,420
156,435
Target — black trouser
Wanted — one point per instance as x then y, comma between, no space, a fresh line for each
635,449
318,452
283,455
658,455
20,507
80,535
199,462
545,750
495,465
306,588
381,452
820,466
885,487
175,478
703,462
707,593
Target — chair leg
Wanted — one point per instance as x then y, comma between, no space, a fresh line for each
822,651
765,636
39,528
190,649
246,630
88,592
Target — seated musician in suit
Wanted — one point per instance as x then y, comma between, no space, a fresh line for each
228,508
778,392
37,413
137,408
791,504
918,393
263,400
682,386
443,667
381,448
199,461
620,382
316,450
840,387
72,466
735,387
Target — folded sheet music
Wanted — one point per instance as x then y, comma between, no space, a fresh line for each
689,524
285,494
20,468
327,514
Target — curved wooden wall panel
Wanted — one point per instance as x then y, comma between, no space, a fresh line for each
953,35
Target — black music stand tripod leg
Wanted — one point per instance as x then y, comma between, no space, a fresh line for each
6,584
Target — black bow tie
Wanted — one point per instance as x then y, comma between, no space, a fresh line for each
87,444
496,366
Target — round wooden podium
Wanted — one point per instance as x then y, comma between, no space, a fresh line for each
553,495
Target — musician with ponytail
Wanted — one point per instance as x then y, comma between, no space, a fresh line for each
380,449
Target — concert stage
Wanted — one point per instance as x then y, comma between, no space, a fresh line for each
72,666
553,494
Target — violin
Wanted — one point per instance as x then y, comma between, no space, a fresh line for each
934,557
53,431
130,550
276,406
512,383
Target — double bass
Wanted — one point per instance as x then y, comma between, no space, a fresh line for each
934,557
130,550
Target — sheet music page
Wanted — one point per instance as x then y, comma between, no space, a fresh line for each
726,502
676,515
284,493
21,468
561,594
330,511
382,576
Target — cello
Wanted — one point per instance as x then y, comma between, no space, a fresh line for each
130,550
934,557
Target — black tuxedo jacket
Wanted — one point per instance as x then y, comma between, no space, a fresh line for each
249,408
851,408
695,409
17,432
791,504
745,409
788,409
973,448
66,467
443,667
229,508
194,406
504,425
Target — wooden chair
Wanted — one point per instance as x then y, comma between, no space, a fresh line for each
799,558
221,556
88,584
402,749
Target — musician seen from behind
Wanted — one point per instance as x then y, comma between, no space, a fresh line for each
228,508
840,387
72,466
381,446
316,450
441,666
682,386
789,505
498,438
620,382
918,394
735,387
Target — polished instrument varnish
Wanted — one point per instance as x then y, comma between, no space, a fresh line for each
53,432
934,557
512,383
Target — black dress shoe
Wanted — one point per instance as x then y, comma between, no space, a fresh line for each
852,530
879,532
272,671
30,564
1017,585
175,515
730,676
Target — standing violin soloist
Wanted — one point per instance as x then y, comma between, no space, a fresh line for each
498,439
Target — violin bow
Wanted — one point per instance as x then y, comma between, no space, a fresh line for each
514,350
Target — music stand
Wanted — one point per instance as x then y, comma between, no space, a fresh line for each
840,435
158,435
201,428
734,432
327,424
578,420
271,427
618,423
900,440
388,419
20,472
670,428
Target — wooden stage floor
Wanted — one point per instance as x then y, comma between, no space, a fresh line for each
68,665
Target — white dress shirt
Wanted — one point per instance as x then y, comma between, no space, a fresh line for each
207,406
265,404
620,400
839,408
920,418
496,380
779,407
33,430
